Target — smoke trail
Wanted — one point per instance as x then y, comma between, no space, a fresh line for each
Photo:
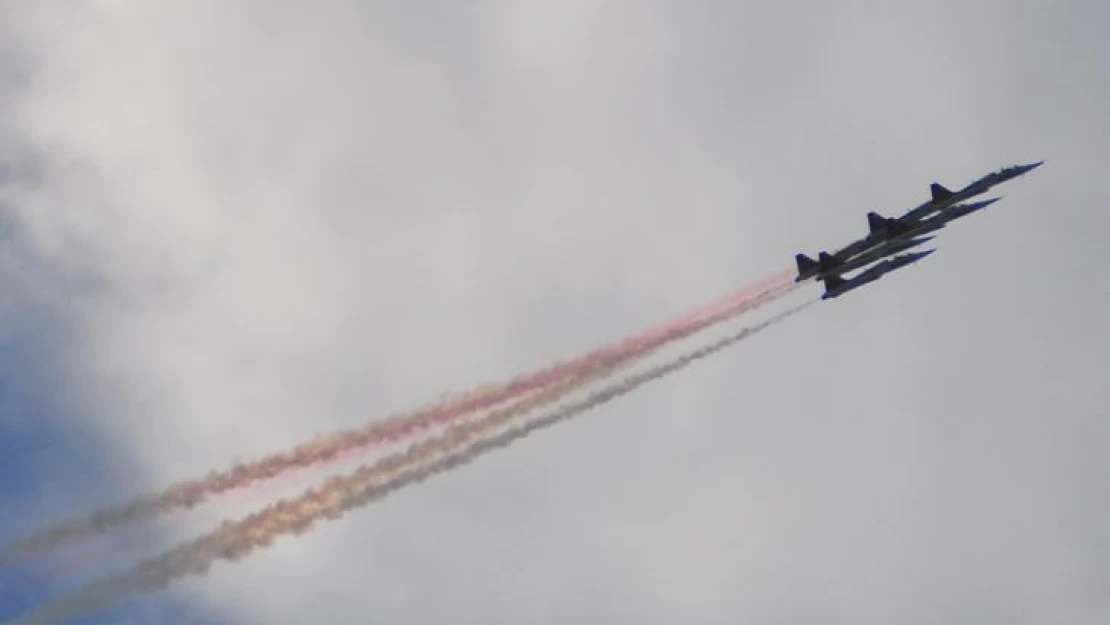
460,445
587,376
118,586
188,494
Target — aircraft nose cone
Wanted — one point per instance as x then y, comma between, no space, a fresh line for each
924,254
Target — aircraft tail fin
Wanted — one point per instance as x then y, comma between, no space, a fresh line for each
805,264
833,282
828,261
939,192
877,223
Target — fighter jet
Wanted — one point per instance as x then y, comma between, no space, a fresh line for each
885,238
943,198
882,231
895,228
809,268
835,286
828,265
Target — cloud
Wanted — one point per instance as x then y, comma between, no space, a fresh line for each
287,220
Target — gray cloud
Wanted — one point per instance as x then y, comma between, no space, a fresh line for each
300,219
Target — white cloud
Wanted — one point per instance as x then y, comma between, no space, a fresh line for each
304,218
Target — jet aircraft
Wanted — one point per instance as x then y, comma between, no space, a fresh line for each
828,265
942,197
899,227
888,236
835,286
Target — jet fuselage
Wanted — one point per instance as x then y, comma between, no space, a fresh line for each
836,286
830,266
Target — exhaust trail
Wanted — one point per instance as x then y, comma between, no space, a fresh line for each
322,449
84,560
458,446
517,410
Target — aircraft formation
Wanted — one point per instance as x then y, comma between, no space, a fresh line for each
887,237
458,429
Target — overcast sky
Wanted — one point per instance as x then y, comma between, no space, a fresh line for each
228,226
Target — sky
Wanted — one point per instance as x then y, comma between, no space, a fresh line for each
228,227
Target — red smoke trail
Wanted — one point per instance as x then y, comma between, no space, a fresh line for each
458,446
723,310
188,494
